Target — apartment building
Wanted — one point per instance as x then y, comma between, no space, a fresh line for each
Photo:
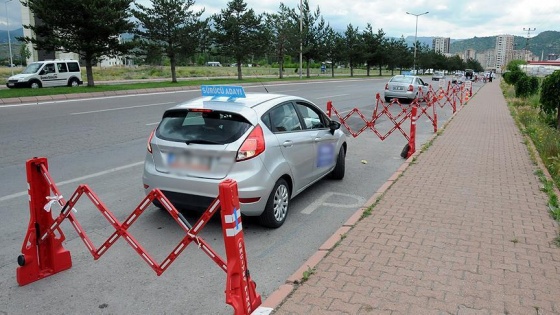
441,44
503,51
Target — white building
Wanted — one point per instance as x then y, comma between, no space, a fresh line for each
441,44
503,51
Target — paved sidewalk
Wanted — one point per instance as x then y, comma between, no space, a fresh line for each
464,230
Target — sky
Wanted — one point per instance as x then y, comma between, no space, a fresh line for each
457,19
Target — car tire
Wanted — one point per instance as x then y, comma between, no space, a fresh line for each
35,84
387,99
276,209
73,82
339,168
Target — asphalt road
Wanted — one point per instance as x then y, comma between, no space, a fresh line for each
102,142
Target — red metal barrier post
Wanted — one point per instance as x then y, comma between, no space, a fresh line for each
40,259
240,289
412,139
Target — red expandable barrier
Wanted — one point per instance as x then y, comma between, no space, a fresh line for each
43,254
240,289
40,259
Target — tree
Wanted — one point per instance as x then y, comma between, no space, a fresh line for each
284,34
172,27
550,96
354,47
334,47
24,54
90,28
373,46
515,65
239,33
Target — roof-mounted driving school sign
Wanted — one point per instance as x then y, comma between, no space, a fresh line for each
216,91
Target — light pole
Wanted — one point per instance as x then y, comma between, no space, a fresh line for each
300,38
416,35
9,40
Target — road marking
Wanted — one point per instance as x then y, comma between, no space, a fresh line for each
331,96
151,124
78,179
321,202
121,108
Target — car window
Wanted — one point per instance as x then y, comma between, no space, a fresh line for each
32,68
73,67
282,118
311,117
402,79
420,81
206,126
62,67
49,68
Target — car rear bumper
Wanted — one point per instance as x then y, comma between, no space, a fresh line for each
406,95
197,193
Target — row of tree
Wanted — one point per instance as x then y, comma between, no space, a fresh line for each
173,29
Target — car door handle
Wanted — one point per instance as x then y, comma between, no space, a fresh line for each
287,144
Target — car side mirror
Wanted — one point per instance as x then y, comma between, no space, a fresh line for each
333,126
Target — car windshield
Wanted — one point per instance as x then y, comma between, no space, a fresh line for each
402,79
203,126
32,68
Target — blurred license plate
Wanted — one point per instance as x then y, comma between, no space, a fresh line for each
11,84
188,162
399,88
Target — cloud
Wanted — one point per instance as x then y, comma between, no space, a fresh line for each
447,18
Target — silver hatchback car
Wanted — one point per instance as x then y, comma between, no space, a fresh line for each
273,145
404,87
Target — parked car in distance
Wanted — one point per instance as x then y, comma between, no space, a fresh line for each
438,75
274,146
458,78
405,87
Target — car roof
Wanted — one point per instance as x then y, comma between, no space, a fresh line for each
249,106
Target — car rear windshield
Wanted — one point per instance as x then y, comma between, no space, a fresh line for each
202,126
402,79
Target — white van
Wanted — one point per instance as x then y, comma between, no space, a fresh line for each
48,73
213,64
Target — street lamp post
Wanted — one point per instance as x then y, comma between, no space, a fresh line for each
9,40
415,36
300,38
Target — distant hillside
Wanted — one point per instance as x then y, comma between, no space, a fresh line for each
13,35
544,43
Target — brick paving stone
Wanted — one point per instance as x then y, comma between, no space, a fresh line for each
464,230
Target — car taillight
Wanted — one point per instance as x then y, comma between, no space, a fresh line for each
410,88
386,86
150,140
252,146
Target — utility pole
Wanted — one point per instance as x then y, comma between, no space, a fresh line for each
300,39
528,30
415,36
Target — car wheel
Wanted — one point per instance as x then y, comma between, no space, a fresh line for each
276,209
73,82
339,168
35,84
388,99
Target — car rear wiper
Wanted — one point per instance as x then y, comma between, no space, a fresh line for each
200,141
